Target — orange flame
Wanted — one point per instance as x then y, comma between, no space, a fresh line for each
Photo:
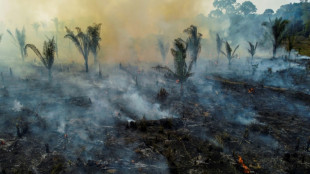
251,90
245,168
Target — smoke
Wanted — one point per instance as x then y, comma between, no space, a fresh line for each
127,24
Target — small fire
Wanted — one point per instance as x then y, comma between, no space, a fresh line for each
2,142
177,81
251,90
245,168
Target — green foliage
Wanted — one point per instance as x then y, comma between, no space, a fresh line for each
181,72
193,42
227,5
252,49
82,41
247,7
290,42
19,40
94,35
229,53
277,29
48,57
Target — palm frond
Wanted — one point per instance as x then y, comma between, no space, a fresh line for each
223,53
36,51
70,35
235,51
164,69
94,34
11,34
49,50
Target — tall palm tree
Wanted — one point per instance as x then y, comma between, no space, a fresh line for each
219,44
193,42
19,40
252,50
48,57
56,23
94,34
81,41
181,73
229,54
277,29
163,47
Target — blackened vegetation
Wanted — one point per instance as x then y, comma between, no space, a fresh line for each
162,94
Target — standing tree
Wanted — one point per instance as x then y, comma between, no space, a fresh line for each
252,50
229,54
20,39
56,23
247,7
290,44
193,42
268,12
94,36
81,41
219,44
227,5
277,28
163,47
36,27
181,73
0,37
49,49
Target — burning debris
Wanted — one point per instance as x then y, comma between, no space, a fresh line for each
127,118
245,168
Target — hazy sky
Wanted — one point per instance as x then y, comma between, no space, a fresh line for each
273,4
125,22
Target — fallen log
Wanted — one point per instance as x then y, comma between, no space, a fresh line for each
288,92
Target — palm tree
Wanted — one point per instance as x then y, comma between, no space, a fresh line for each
56,23
229,54
219,44
290,44
94,34
252,50
181,73
193,42
49,49
20,39
81,41
36,27
277,28
163,47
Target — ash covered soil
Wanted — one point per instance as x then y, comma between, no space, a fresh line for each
233,122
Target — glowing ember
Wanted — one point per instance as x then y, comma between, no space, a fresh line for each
245,168
251,90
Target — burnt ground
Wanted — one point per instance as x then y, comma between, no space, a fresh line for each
88,125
